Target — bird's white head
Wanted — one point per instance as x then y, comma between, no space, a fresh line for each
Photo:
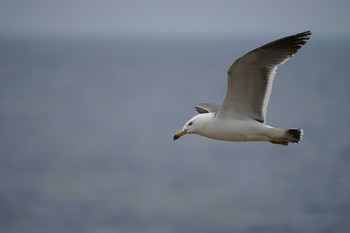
195,125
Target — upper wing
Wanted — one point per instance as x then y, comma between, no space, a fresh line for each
250,77
206,108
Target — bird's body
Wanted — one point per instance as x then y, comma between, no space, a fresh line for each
240,130
241,117
233,129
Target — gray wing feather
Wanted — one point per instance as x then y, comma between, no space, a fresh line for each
250,77
206,108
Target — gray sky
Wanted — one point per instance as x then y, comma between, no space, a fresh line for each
156,17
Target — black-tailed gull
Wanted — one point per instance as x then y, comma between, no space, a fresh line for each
241,117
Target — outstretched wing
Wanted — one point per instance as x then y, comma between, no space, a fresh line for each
250,77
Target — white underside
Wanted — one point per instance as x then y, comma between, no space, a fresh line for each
239,130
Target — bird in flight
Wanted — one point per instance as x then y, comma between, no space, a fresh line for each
242,115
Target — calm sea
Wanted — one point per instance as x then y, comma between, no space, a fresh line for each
86,130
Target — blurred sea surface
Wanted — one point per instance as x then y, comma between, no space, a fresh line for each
86,139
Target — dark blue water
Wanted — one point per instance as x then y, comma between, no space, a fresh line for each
86,139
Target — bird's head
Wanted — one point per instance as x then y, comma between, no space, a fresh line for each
193,126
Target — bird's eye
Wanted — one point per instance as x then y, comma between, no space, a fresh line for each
191,123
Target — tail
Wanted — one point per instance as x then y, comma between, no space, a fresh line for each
289,136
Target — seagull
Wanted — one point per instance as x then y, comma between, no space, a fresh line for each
242,115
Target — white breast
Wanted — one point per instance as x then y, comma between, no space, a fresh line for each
236,130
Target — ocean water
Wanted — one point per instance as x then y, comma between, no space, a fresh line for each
86,139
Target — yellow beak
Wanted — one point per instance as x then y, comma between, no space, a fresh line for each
180,134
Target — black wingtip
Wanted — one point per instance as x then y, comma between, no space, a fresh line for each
306,33
304,36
